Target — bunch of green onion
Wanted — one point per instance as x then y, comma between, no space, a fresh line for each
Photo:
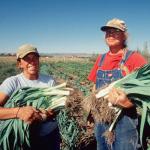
15,132
137,87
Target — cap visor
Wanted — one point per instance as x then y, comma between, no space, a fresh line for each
104,28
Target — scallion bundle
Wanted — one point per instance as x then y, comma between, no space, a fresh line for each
15,132
137,87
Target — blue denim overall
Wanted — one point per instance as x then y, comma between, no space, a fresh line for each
126,135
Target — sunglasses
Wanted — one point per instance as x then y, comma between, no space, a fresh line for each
113,31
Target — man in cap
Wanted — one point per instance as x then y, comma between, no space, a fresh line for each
111,66
47,134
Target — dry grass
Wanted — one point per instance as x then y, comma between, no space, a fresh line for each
47,59
63,59
10,59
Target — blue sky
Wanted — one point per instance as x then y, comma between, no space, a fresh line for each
62,26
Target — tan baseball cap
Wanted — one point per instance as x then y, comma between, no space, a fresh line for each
115,23
25,50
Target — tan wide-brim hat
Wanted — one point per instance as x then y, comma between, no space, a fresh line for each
25,50
115,23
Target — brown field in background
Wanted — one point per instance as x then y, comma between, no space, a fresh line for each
47,59
7,59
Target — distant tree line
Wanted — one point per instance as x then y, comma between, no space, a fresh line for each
7,54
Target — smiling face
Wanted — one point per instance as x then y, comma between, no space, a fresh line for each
115,38
30,65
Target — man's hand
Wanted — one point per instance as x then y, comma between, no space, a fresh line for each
46,114
29,114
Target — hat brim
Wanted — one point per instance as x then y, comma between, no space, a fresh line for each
105,28
25,54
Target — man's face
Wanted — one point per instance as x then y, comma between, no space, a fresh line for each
115,37
30,64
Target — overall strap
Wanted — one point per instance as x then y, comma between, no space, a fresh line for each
124,59
126,56
102,59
